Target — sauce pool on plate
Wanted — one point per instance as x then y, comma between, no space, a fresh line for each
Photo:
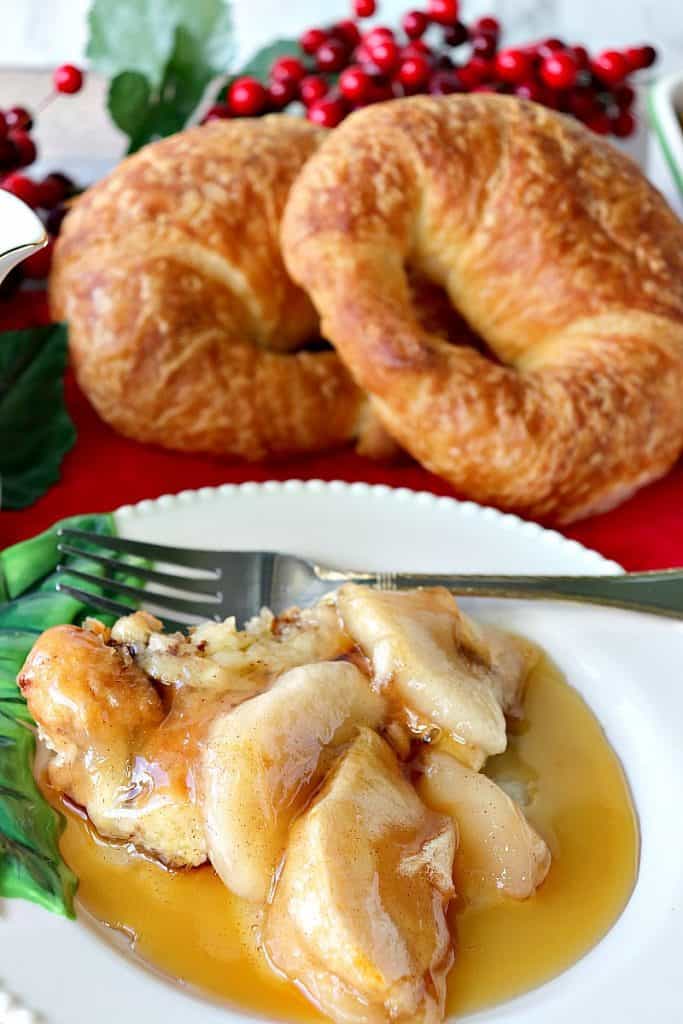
186,925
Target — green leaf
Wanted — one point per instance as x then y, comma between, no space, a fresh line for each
25,564
176,47
128,101
35,427
30,862
259,64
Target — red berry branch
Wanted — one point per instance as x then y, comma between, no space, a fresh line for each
340,68
47,196
336,69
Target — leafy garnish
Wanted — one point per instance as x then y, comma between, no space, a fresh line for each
160,55
35,427
259,65
31,866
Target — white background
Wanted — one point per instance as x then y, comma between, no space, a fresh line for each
44,32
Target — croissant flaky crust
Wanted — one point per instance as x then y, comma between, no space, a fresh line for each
553,247
183,324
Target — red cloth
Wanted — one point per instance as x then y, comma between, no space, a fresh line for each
104,470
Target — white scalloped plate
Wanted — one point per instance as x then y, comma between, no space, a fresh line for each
626,665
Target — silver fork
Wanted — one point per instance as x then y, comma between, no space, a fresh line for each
240,583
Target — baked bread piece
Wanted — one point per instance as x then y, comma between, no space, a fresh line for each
183,324
554,248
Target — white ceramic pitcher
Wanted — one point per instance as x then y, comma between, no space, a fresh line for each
21,232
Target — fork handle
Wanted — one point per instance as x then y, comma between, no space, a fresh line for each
660,593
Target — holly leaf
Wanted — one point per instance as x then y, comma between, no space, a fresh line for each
162,55
35,427
128,101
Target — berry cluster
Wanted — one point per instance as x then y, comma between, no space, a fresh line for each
48,195
341,68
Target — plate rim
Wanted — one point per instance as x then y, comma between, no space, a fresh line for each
470,509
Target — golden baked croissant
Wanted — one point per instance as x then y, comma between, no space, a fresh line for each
183,324
554,248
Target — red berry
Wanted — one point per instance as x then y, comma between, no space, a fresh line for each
24,145
385,54
8,156
331,56
3,125
624,96
67,184
443,83
487,26
414,24
22,187
53,190
559,70
355,83
247,97
311,89
218,112
281,94
38,265
287,68
416,46
475,72
376,34
513,66
414,72
624,124
326,113
67,78
347,32
547,47
312,39
18,117
484,46
364,8
639,57
599,123
580,55
582,102
531,90
445,12
54,219
610,67
456,35
383,90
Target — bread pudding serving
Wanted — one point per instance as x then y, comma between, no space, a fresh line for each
329,768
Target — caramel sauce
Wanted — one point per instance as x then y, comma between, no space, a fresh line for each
189,927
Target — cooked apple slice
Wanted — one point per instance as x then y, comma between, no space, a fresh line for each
101,717
438,665
498,851
358,915
263,760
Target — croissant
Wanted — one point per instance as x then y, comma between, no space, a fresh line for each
555,250
184,327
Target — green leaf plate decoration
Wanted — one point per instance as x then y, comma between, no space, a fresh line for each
31,866
35,427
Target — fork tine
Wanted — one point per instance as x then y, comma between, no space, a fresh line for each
196,584
202,609
105,604
96,600
155,552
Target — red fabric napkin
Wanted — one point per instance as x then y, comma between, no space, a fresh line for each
104,470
